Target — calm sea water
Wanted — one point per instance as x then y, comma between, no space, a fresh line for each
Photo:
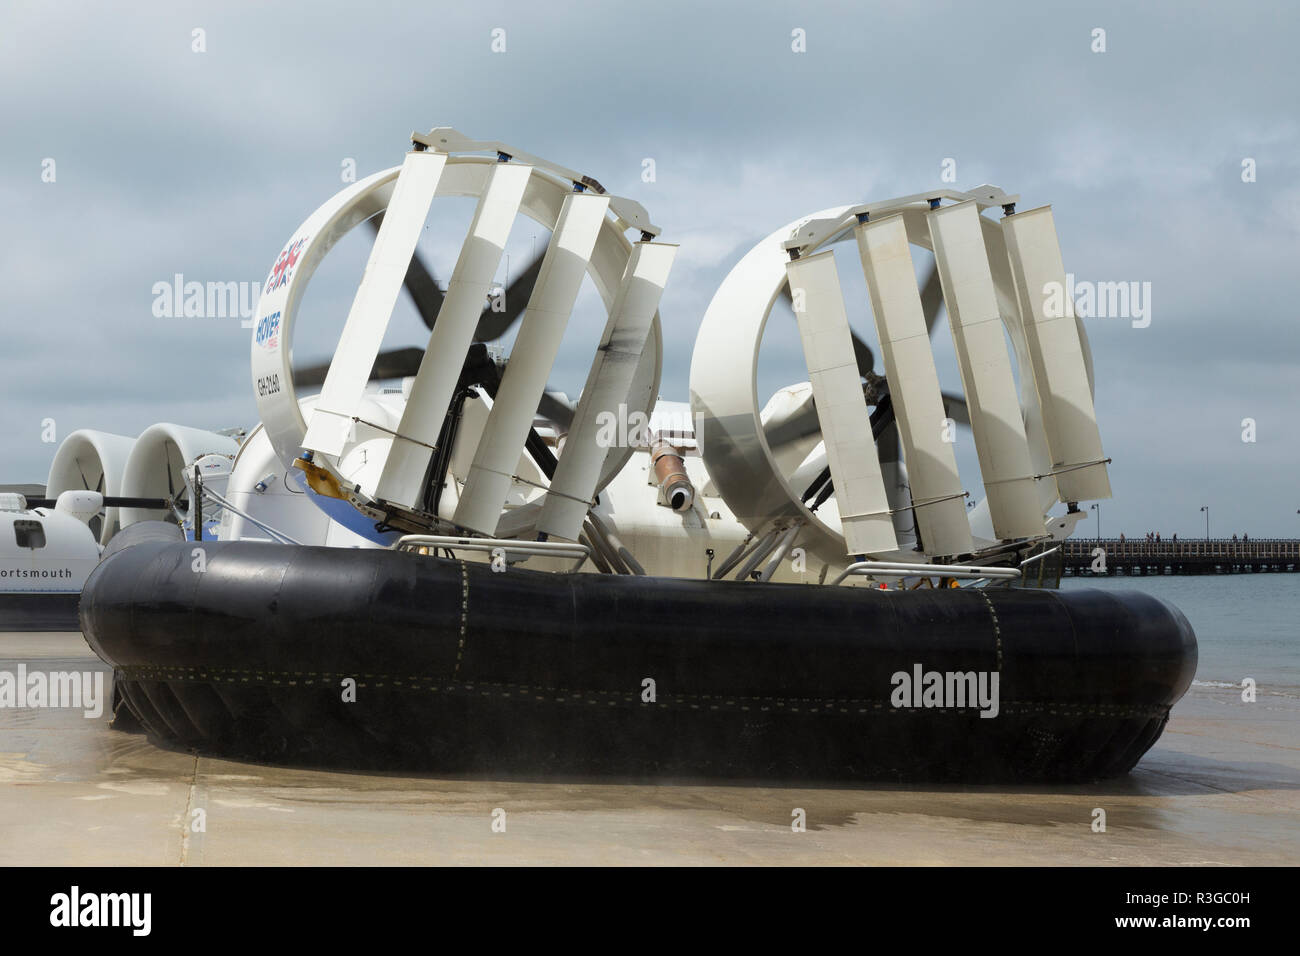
1247,625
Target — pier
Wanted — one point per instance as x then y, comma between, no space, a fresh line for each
1191,556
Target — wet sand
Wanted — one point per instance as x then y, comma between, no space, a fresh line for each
1222,786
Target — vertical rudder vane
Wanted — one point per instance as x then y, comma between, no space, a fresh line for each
841,407
1059,370
996,420
402,480
563,267
372,308
938,500
608,385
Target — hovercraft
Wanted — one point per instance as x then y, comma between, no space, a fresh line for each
473,572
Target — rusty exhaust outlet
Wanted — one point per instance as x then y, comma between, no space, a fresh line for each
675,488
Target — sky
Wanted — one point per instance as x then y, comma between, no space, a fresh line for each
1170,157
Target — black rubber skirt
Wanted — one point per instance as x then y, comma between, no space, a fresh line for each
385,660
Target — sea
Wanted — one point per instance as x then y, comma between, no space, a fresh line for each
1247,625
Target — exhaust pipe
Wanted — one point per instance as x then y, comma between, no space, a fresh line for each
675,488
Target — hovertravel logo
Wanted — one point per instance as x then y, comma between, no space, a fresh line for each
951,690
83,690
268,331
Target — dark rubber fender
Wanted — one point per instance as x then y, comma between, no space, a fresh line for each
460,668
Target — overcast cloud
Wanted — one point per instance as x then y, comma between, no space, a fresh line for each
170,161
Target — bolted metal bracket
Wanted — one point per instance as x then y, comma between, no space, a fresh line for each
631,214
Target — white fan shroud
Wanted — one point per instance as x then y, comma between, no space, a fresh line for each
464,176
725,401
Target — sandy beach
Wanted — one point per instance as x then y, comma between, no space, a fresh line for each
1221,787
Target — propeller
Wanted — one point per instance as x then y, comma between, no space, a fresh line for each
481,369
805,423
419,282
96,523
822,486
555,409
393,363
493,325
180,503
427,297
954,406
931,303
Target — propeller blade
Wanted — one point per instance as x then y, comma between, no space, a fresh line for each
822,486
419,282
805,422
557,410
954,406
480,369
181,499
391,363
396,363
493,325
861,350
931,303
883,415
309,375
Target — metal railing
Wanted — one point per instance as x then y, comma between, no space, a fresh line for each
431,543
1255,549
895,569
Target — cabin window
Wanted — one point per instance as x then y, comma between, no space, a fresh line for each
30,534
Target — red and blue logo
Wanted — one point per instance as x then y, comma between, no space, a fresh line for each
268,331
284,266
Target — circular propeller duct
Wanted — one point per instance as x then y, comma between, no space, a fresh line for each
587,239
773,465
91,461
157,466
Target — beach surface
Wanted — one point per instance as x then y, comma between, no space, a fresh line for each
1221,787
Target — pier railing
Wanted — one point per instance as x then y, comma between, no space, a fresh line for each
1186,554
